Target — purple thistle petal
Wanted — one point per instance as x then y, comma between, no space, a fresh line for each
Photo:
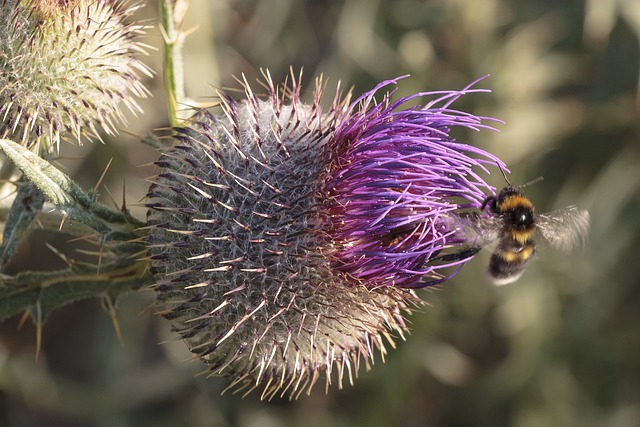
397,179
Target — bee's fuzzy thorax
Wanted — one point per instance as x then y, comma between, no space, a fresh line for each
512,201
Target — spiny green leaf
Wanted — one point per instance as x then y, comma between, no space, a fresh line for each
25,207
57,187
63,192
51,290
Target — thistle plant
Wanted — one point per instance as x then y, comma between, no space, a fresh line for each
285,239
67,68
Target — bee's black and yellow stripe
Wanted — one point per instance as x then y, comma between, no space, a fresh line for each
509,260
516,245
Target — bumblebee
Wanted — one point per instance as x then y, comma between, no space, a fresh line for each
510,219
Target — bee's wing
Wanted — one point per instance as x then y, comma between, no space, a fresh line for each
565,228
478,230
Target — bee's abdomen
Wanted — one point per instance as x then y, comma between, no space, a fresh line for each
509,260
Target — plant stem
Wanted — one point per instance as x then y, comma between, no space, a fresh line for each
172,12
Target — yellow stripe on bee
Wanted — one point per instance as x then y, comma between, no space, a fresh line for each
515,201
522,236
511,256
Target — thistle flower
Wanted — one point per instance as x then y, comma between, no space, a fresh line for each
396,178
67,67
285,238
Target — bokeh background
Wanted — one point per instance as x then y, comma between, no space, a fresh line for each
561,347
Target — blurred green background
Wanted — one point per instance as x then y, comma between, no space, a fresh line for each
561,347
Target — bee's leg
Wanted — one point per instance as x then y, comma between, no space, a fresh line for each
490,201
458,256
436,279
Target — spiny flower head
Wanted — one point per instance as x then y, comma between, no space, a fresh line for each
66,69
285,238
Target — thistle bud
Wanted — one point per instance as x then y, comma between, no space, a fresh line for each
67,68
285,239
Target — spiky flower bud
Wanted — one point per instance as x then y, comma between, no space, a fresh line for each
285,238
66,68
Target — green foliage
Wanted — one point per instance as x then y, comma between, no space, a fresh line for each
44,292
26,205
117,270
